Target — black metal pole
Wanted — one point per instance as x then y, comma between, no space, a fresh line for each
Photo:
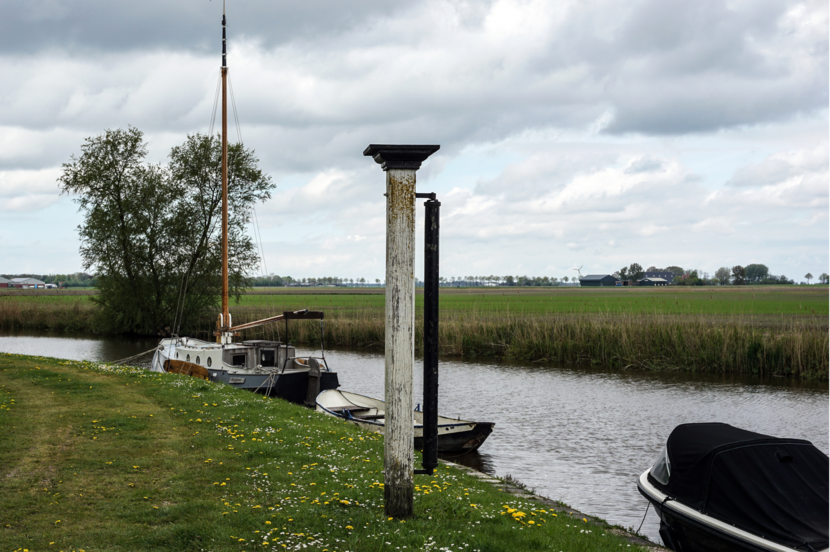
431,335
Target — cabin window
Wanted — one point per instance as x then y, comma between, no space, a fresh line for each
267,357
188,358
177,354
661,470
209,362
238,360
198,360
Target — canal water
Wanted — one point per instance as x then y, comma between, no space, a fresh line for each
580,435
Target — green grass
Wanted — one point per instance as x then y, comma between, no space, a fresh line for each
102,458
728,300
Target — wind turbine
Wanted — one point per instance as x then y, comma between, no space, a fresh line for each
579,271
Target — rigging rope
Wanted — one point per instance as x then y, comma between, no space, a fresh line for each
181,301
123,360
254,220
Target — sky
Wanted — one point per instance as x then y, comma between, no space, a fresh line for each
590,134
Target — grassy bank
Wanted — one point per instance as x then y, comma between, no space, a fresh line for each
122,459
753,330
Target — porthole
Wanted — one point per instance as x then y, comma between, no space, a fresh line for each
198,360
209,362
177,355
188,358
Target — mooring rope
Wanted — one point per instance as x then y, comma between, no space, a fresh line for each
123,360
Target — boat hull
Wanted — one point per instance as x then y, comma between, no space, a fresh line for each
291,384
686,530
454,436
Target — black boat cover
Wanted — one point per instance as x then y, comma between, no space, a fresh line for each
774,488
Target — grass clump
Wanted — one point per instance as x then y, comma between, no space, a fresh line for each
95,457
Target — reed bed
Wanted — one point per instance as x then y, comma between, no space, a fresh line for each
75,316
712,344
788,345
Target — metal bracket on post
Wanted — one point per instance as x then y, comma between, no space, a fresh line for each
430,425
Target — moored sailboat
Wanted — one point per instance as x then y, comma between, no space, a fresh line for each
271,368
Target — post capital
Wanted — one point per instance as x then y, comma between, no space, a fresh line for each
399,156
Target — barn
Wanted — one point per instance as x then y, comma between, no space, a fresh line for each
653,282
598,280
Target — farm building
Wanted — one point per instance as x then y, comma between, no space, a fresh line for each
598,280
26,283
667,276
653,282
4,283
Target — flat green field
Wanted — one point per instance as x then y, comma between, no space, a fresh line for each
727,300
798,300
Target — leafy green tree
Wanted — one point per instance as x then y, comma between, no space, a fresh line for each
152,233
635,271
823,278
738,275
623,272
723,275
756,272
808,277
675,270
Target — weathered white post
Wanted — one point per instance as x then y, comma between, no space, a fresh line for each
400,164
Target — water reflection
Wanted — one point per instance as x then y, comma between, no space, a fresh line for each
579,435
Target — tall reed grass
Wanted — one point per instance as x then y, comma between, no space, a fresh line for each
713,344
767,345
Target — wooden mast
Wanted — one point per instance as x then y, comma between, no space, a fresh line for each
226,321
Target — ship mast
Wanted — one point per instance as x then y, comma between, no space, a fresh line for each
226,318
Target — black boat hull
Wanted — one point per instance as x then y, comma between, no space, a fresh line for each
289,385
461,442
686,530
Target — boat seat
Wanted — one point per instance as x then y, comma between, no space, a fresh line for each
351,408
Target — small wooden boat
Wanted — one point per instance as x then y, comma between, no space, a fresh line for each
454,436
721,488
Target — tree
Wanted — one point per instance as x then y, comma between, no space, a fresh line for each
738,275
823,278
152,233
675,270
756,272
723,275
565,279
808,277
635,272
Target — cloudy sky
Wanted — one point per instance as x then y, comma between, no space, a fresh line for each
585,133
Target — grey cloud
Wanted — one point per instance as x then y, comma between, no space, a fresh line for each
644,165
190,25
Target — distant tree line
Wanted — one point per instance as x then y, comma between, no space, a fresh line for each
275,280
752,274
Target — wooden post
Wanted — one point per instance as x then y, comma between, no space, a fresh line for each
400,164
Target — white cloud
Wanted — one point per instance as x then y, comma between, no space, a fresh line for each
593,133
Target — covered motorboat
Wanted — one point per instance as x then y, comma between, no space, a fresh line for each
454,436
718,488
